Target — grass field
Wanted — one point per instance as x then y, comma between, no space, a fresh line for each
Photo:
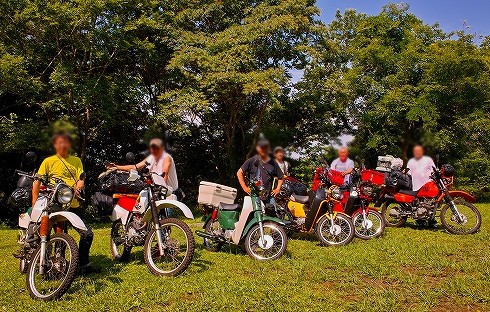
407,269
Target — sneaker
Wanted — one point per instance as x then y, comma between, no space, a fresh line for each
88,269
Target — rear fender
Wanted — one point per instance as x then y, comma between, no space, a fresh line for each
254,221
367,210
63,216
462,194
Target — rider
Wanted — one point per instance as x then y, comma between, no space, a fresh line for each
279,158
343,164
159,161
420,167
267,170
69,168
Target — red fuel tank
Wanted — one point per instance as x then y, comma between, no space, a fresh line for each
429,189
403,198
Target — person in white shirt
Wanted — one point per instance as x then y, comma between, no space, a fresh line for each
159,161
343,164
420,167
283,164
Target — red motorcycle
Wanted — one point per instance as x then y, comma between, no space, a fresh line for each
356,198
458,214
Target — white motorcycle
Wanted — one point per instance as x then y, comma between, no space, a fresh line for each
47,253
144,220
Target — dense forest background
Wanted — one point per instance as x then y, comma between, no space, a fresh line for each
210,75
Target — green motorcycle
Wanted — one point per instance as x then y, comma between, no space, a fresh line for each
264,237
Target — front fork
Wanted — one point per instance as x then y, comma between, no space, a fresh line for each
156,222
44,233
449,200
260,217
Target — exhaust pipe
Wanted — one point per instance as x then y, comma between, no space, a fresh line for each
210,236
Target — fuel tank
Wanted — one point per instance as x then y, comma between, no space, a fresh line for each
404,198
430,189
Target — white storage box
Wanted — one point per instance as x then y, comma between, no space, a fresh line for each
388,163
213,194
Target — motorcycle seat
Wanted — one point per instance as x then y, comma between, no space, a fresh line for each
300,198
409,192
229,207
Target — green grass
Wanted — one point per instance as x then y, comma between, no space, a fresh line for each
407,269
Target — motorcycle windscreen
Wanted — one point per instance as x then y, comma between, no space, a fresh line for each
316,198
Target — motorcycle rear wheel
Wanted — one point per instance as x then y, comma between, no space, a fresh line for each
329,236
120,251
471,213
57,268
392,221
210,245
377,227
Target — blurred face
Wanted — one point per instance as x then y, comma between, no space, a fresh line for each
62,146
418,152
343,154
263,151
280,155
156,150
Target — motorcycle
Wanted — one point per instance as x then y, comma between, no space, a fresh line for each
144,220
263,236
47,253
319,212
368,222
458,214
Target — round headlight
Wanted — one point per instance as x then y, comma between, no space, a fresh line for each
336,193
64,195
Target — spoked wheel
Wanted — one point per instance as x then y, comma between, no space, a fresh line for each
341,232
120,251
59,269
391,213
271,247
178,248
212,227
469,222
370,227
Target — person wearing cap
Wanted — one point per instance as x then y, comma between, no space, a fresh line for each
159,161
267,170
279,158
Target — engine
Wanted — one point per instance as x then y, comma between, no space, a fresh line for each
425,208
137,231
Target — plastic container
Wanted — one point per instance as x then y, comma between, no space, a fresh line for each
373,176
213,194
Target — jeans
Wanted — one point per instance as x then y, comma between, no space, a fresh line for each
86,238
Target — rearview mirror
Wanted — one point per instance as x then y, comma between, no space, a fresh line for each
130,158
31,157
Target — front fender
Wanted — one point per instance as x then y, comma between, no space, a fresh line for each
74,220
170,203
466,196
254,221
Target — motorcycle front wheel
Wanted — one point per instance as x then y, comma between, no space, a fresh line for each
371,227
271,247
178,248
340,233
60,268
471,218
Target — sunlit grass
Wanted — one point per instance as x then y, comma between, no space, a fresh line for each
406,269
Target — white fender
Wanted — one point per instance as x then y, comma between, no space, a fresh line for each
71,217
170,203
119,213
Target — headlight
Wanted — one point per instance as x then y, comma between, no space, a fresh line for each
64,194
336,193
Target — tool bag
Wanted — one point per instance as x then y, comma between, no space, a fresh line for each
114,181
21,198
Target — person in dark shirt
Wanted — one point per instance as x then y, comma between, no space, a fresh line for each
265,172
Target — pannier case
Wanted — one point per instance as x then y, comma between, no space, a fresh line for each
213,194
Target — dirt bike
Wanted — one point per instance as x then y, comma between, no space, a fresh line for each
318,212
144,220
357,196
263,236
458,214
47,254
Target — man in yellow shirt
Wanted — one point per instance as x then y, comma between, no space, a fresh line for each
68,168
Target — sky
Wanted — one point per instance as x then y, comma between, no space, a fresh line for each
470,15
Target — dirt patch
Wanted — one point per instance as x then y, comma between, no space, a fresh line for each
446,305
